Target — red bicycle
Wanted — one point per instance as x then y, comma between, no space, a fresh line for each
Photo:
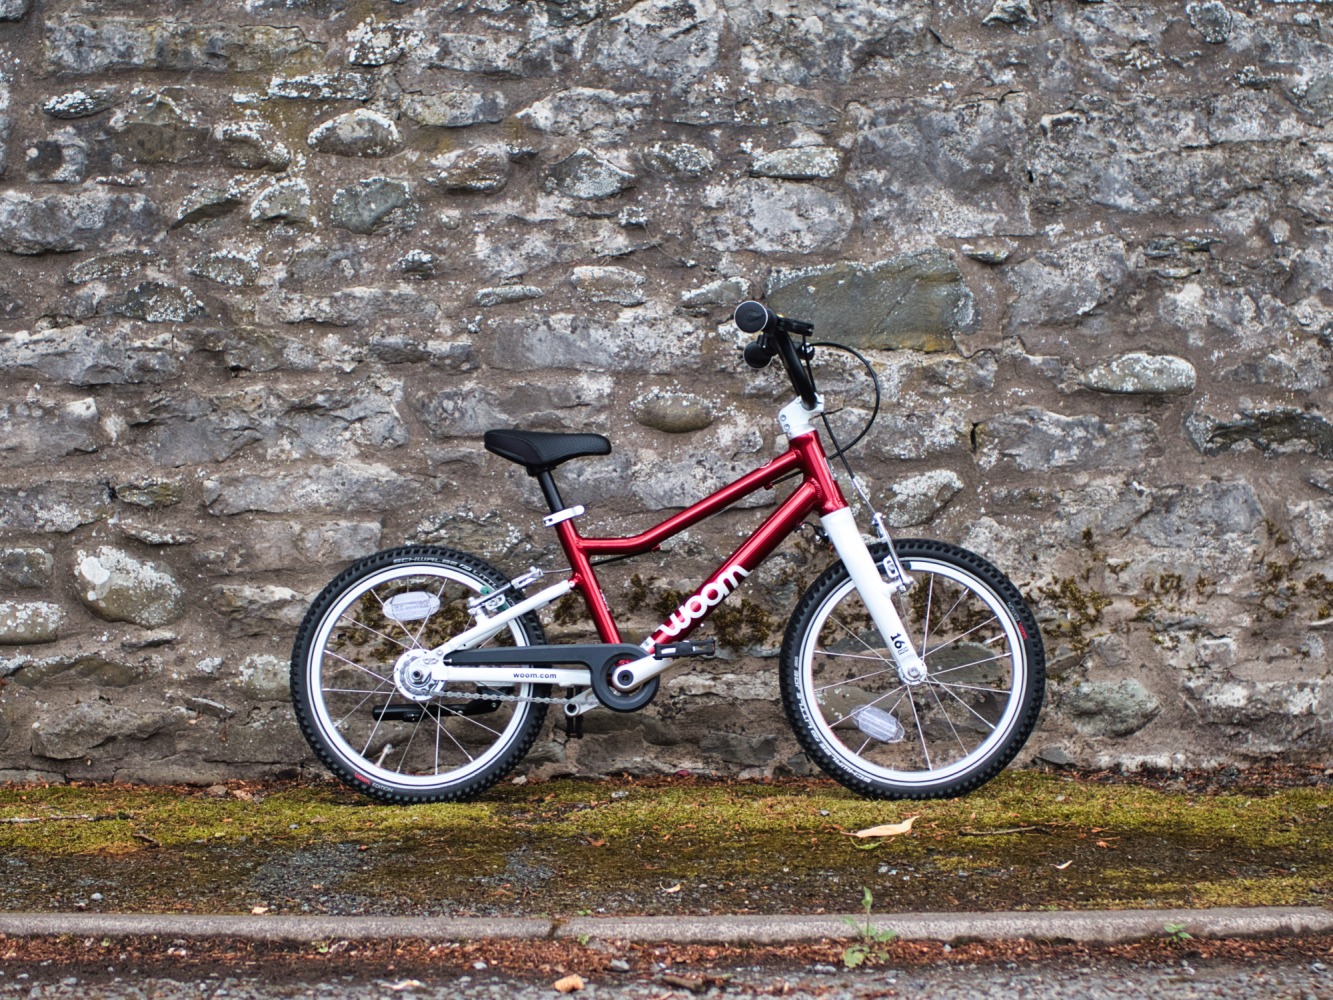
909,669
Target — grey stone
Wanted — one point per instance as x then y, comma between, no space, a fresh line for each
210,708
322,87
504,294
151,494
156,129
351,485
1185,517
53,507
265,678
73,732
1105,708
495,55
662,39
1143,375
990,253
481,169
1037,440
284,201
251,146
768,216
586,176
14,10
682,159
353,307
377,204
251,610
917,499
1270,713
672,412
32,432
82,356
1060,288
747,751
456,108
233,268
1057,756
419,264
1276,430
917,301
944,167
26,567
589,341
29,622
102,668
65,223
600,115
619,285
1212,20
117,264
806,163
80,103
723,292
357,133
1011,12
373,43
91,45
119,587
205,204
279,545
159,302
60,158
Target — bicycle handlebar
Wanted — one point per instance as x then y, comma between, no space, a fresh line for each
775,333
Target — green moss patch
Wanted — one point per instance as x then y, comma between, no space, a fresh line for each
1025,841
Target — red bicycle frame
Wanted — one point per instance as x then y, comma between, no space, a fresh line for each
818,492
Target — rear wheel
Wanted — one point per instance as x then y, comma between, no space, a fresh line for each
352,689
941,736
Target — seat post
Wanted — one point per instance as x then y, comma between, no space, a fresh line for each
549,490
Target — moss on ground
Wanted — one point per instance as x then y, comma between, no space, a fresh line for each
1026,840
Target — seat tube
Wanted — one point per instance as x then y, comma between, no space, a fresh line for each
586,581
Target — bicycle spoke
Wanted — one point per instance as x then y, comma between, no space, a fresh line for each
952,729
386,638
974,663
963,635
853,680
867,645
353,663
925,625
960,701
925,752
969,687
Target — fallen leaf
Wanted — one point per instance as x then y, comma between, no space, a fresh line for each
674,888
1065,865
891,830
406,984
259,911
570,983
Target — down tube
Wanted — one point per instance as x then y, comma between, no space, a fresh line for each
781,523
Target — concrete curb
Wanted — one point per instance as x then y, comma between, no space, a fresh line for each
1093,926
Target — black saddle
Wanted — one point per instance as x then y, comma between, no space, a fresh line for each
542,451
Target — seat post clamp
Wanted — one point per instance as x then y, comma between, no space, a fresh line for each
551,520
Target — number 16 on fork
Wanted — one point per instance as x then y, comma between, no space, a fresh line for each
910,668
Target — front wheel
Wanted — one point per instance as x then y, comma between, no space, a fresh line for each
944,735
352,688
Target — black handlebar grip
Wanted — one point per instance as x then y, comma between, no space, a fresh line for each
752,317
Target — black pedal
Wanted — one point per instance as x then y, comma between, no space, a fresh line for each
573,727
673,650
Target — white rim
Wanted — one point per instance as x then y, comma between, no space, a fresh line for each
1003,728
354,760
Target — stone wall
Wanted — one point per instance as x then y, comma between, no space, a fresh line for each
267,270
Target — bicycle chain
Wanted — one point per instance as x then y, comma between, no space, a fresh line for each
501,697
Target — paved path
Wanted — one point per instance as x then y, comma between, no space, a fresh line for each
1093,926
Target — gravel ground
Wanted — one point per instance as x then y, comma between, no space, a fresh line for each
1296,979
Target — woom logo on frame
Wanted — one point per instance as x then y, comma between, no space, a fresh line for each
709,596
